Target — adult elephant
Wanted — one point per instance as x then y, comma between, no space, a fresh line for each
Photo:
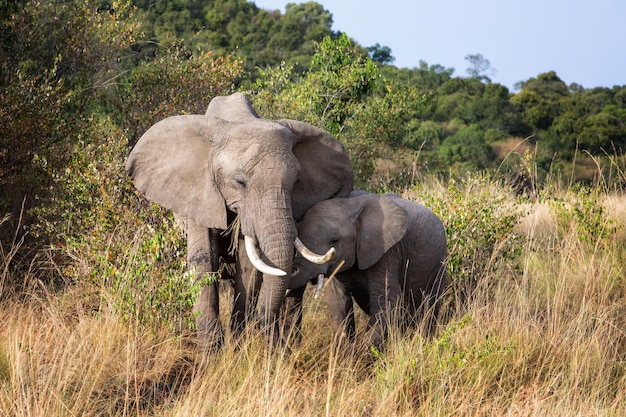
232,164
394,260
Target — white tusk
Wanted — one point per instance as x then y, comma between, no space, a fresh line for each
312,256
255,259
320,285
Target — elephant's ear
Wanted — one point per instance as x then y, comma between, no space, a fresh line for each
169,165
380,224
325,170
233,108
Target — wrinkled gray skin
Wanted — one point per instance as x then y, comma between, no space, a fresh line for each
395,255
210,168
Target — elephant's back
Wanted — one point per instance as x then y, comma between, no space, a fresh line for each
425,225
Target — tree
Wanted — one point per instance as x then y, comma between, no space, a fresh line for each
493,110
380,54
467,147
172,83
57,59
299,29
344,93
480,68
174,21
426,137
540,100
455,98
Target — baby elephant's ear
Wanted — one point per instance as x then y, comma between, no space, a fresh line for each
380,225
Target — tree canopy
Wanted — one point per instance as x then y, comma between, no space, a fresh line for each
66,67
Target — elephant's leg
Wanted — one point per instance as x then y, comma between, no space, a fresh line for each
384,292
247,284
270,309
433,296
340,310
202,247
292,315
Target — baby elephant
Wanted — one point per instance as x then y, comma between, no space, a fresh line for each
394,253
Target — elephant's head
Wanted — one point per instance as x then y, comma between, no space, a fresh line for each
269,172
360,228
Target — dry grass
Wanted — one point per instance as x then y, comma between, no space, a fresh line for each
543,337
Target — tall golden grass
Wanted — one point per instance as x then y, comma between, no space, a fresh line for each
542,336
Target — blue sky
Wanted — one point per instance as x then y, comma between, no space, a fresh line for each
584,42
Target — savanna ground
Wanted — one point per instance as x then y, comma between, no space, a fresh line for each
534,324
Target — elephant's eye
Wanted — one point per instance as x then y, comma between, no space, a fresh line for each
241,180
333,241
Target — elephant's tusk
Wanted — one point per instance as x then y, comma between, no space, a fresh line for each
311,256
322,280
255,259
320,285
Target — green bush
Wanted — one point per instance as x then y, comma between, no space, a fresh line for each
107,237
480,220
57,56
175,82
466,147
427,136
581,211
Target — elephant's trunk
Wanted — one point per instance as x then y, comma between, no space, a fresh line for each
275,237
304,271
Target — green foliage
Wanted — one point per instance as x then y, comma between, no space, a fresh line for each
341,78
380,54
467,147
392,117
539,99
427,136
302,27
329,95
171,84
224,27
427,77
582,213
57,58
339,94
592,120
479,227
111,238
452,356
149,284
455,98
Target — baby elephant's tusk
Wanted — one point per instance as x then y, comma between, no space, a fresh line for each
312,256
257,262
320,285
